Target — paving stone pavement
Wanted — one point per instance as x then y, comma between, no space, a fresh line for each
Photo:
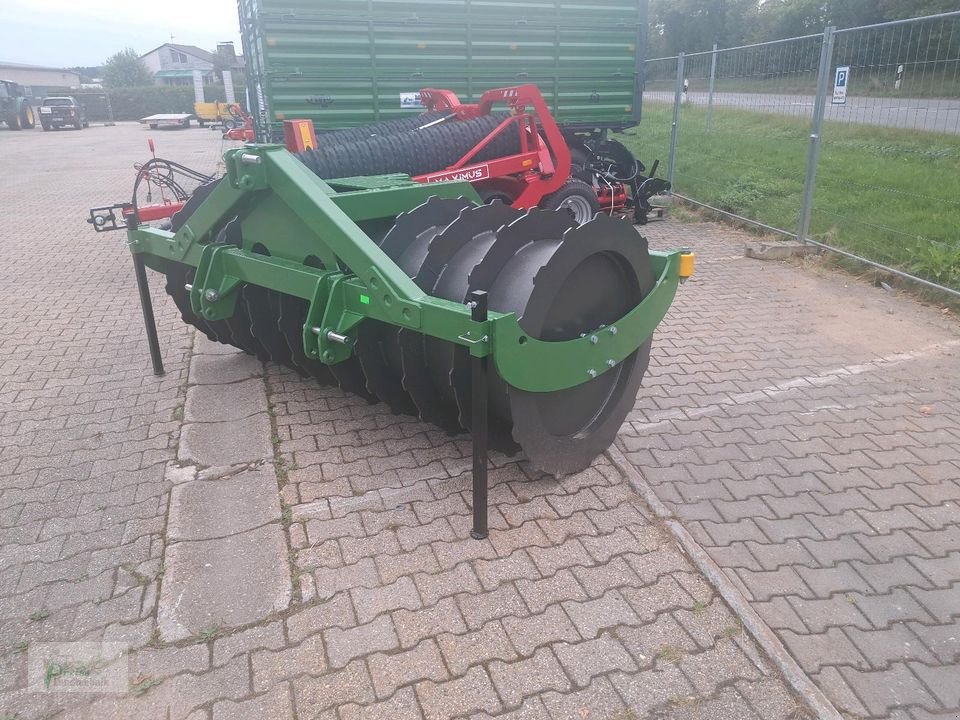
577,606
806,429
225,563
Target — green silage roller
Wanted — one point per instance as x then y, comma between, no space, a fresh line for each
273,229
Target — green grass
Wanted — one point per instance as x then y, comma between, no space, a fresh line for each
887,194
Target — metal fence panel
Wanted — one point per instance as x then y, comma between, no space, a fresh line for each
888,181
742,147
868,166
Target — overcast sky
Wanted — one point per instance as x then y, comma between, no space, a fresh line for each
64,33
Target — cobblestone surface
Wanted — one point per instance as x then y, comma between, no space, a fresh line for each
753,427
807,431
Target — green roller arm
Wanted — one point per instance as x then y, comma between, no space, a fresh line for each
296,214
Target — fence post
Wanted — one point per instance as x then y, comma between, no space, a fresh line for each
713,78
816,127
677,99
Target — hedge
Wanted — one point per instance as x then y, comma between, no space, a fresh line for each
137,102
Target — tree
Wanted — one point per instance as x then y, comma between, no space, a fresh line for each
126,69
694,25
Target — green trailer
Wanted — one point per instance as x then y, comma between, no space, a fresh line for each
346,63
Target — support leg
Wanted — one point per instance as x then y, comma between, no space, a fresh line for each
146,304
478,381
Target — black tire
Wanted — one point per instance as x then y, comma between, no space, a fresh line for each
46,128
575,196
153,126
86,124
580,164
384,127
27,119
13,120
78,125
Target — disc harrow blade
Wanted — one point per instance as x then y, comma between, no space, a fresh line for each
563,290
293,314
177,278
378,346
476,267
430,360
219,330
262,307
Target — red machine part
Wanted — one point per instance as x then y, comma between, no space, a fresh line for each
613,199
246,133
156,211
541,167
298,135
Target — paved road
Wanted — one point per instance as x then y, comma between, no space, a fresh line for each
804,426
935,114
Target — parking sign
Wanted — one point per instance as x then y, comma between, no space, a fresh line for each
840,85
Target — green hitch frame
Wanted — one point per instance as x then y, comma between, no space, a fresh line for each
276,197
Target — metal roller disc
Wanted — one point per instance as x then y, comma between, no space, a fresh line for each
433,215
293,314
475,226
222,330
240,323
533,226
350,378
449,365
263,323
178,276
379,360
559,291
378,344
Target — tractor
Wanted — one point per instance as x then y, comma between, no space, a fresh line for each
15,108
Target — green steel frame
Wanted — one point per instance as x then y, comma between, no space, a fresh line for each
285,207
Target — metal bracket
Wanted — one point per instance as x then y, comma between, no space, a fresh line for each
213,294
403,312
104,219
327,329
246,168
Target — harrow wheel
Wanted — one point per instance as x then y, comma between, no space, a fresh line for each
563,280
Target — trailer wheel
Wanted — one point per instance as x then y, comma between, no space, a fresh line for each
577,197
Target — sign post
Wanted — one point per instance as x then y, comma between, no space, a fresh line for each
840,81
